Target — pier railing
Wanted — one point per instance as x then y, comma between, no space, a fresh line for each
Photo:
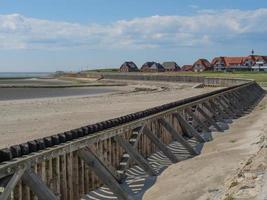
69,165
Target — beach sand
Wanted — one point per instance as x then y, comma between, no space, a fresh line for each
23,120
232,166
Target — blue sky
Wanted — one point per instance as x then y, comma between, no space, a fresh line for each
50,35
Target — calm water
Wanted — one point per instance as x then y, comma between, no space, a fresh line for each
24,74
33,93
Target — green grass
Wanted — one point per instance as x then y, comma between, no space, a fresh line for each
260,77
104,70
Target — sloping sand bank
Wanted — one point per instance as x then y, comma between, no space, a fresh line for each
230,167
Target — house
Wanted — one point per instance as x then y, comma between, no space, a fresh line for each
260,63
226,63
201,65
171,66
129,66
187,68
152,67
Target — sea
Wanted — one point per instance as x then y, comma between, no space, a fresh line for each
25,74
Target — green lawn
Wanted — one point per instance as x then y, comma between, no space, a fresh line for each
260,77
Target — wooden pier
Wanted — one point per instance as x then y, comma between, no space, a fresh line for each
69,165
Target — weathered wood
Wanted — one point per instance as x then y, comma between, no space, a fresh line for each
12,183
216,116
38,186
189,128
226,110
197,120
101,171
135,155
209,119
105,162
176,136
160,145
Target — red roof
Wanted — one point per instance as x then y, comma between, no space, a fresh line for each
203,62
187,68
233,60
237,60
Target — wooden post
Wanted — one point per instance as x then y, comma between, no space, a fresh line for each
226,109
215,115
198,121
38,186
135,155
209,119
223,113
105,162
160,145
189,128
103,174
177,136
12,183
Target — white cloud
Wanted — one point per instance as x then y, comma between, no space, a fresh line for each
204,28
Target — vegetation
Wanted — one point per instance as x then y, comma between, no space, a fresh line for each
104,70
260,77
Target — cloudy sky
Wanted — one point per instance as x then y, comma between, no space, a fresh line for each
50,35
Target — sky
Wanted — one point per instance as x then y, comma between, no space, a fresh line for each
73,35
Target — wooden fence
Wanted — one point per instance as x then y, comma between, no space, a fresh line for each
69,165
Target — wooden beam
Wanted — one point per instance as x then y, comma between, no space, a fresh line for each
12,183
189,128
162,147
35,183
92,149
212,111
226,109
209,119
197,120
135,155
103,174
224,112
176,136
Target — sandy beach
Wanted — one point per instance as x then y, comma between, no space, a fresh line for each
27,119
232,166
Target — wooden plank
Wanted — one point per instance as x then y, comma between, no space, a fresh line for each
160,145
105,162
225,114
225,108
197,120
230,106
135,155
12,183
63,177
212,111
38,186
176,136
189,128
101,171
209,119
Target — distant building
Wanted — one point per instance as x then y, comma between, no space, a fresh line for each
152,67
171,66
201,65
187,68
225,63
129,66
